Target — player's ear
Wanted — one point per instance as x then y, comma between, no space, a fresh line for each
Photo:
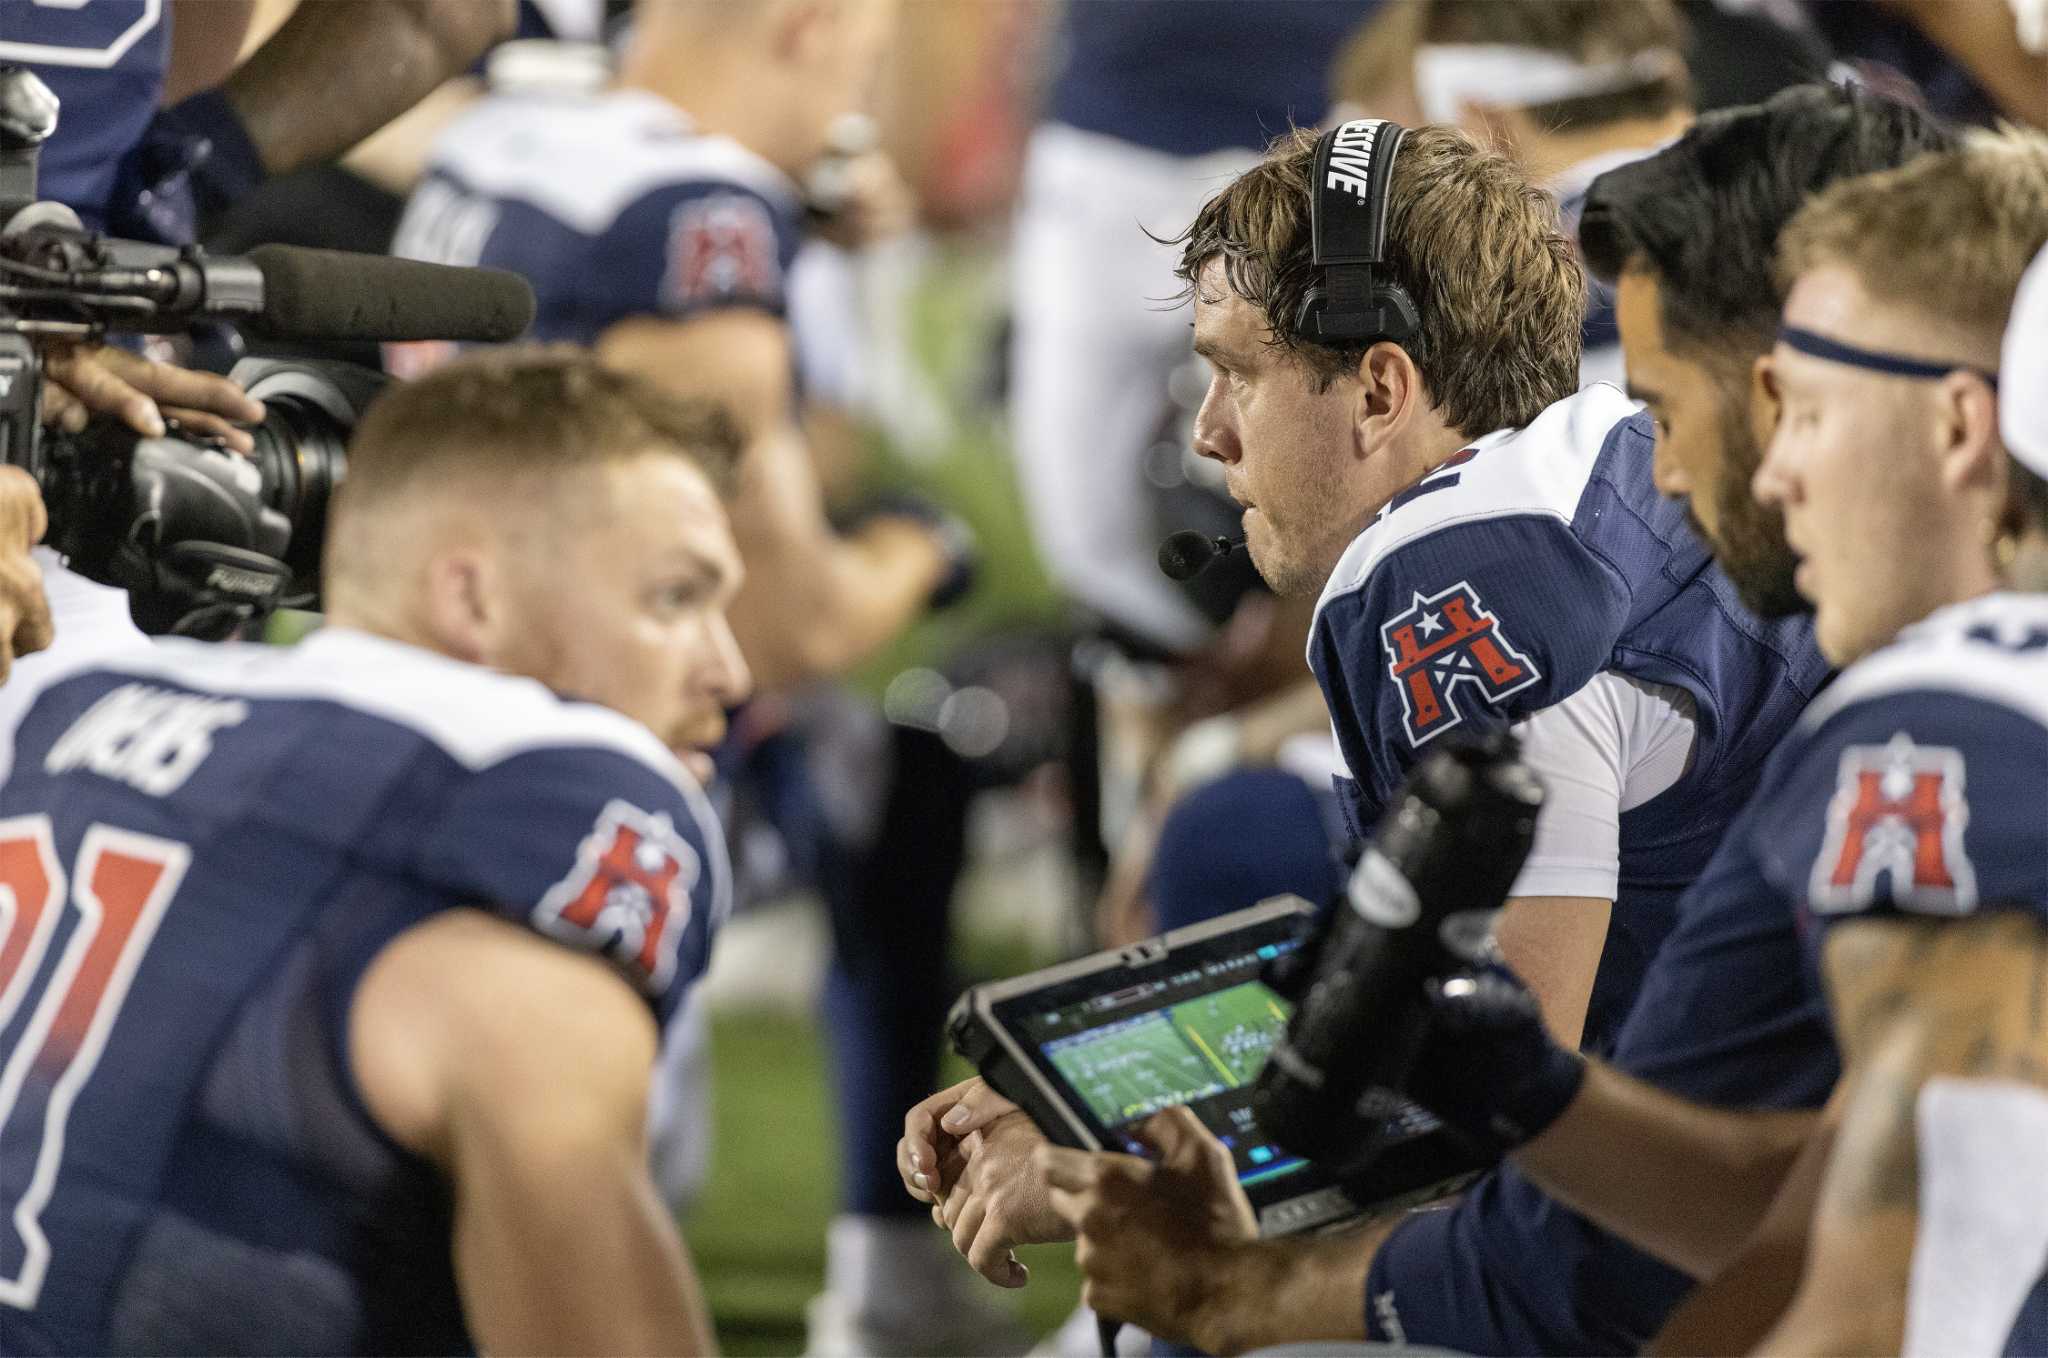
1390,392
1764,401
1967,444
803,27
465,610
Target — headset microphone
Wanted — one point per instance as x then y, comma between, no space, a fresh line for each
1188,553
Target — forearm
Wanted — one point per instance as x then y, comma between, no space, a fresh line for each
820,605
340,69
1684,1182
1291,1291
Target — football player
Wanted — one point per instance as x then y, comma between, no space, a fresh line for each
1720,1017
330,976
657,220
1907,818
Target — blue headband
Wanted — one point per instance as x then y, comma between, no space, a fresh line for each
1835,351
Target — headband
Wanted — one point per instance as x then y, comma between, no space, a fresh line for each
1450,74
1898,365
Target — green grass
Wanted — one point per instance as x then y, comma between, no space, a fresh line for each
758,1231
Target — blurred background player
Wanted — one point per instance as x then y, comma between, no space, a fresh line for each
337,970
1151,108
1569,88
658,218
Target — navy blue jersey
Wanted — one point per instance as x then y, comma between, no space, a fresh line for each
1917,786
1188,77
105,61
1725,1017
203,848
1503,582
611,205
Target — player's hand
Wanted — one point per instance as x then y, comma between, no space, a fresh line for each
24,610
968,1152
83,380
1155,1236
1489,1067
867,202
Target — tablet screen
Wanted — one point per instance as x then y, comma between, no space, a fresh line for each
1196,1036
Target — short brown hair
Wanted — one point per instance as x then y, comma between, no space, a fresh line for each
1948,234
1474,242
514,411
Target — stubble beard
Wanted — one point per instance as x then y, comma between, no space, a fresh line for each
1751,545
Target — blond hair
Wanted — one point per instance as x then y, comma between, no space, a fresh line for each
1474,242
1947,234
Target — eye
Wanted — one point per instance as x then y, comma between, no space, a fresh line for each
678,597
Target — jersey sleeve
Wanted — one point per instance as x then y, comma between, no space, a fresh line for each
597,849
1916,802
1616,743
1470,628
695,247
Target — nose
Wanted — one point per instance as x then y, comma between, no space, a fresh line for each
728,679
1775,483
1214,437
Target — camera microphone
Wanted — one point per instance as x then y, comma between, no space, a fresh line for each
1186,554
283,291
339,295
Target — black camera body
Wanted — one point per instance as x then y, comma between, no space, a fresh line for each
1419,904
204,541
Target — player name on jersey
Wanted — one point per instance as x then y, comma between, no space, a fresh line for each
152,739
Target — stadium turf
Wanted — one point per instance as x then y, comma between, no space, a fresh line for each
758,1233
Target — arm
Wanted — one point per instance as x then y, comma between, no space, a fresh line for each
561,1242
1684,1182
815,603
1983,35
1732,1313
1554,944
206,37
1913,999
339,70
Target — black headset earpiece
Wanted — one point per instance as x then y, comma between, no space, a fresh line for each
1350,302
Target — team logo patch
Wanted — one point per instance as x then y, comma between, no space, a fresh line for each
1898,814
719,247
1445,642
628,896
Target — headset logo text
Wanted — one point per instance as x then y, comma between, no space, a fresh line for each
1351,157
1446,642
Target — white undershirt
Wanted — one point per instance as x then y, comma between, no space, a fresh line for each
1609,748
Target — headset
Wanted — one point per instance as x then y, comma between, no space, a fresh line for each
1349,302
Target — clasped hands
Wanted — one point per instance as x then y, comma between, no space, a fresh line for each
1151,1233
